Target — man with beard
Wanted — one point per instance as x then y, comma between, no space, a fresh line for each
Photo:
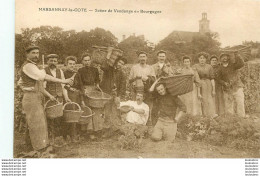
162,68
166,126
31,83
229,78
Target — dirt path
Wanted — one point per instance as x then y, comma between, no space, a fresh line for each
108,148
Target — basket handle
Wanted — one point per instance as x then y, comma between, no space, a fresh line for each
72,103
50,101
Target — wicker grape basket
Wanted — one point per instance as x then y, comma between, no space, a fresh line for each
71,112
86,116
178,84
100,54
97,99
53,109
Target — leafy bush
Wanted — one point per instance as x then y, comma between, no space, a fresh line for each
250,76
223,130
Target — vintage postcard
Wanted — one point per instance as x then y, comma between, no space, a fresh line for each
137,79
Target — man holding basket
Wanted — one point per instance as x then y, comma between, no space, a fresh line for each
31,83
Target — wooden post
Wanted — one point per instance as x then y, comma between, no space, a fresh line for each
42,61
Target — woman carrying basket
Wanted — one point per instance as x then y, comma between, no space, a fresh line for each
206,75
89,82
191,99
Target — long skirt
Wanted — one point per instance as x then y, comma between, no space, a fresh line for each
192,103
33,106
219,100
208,104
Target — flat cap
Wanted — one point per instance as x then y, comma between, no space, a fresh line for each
70,58
30,48
141,52
161,51
223,54
52,56
213,56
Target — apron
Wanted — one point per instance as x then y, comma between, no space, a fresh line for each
33,106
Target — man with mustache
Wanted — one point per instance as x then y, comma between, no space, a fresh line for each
141,78
229,78
134,116
31,82
162,69
138,112
55,91
141,72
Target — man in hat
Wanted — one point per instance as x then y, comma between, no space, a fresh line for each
141,78
31,82
113,83
166,126
162,68
229,78
144,72
114,78
55,91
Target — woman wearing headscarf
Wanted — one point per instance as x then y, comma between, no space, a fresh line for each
206,74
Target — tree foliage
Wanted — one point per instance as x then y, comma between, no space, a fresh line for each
131,46
199,42
64,43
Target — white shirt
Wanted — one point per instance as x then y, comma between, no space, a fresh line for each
133,117
34,72
161,65
143,71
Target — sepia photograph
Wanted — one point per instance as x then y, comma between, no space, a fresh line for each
137,79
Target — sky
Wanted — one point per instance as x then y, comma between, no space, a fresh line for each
234,20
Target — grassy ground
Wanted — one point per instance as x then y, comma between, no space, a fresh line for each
109,148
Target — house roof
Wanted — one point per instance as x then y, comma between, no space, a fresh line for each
182,36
